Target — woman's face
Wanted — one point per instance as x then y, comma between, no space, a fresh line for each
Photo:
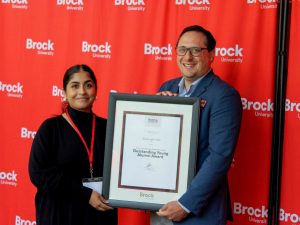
81,91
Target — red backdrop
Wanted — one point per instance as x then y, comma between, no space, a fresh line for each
130,46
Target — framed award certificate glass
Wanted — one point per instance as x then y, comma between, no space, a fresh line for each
150,149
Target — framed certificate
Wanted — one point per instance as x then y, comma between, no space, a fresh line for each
150,149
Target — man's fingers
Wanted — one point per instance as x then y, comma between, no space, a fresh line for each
162,211
166,93
164,207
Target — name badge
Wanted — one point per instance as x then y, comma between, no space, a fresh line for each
94,183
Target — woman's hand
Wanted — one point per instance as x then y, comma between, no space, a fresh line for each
98,202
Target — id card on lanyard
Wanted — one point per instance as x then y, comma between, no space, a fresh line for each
93,183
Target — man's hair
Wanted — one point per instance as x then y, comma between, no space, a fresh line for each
210,40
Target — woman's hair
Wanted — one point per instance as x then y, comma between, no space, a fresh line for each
69,74
75,69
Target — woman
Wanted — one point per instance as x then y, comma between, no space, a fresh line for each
66,150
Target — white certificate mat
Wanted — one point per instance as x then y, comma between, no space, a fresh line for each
150,151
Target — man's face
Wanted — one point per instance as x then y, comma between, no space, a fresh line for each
194,67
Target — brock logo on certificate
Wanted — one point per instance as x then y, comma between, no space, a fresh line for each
150,149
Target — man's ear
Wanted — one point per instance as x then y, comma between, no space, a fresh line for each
212,55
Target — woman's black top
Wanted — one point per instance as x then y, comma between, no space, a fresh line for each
58,163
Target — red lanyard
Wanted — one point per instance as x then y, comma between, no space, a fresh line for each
90,151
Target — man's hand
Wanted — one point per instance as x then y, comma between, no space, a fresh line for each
166,93
172,211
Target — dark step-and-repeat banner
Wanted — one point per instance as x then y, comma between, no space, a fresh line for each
130,46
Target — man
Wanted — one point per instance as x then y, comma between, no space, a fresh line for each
207,199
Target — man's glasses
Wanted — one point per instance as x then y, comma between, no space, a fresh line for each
195,51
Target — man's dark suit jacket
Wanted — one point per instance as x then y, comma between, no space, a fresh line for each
220,118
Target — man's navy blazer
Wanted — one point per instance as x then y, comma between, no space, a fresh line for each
220,118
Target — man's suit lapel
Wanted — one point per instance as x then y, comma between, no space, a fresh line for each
203,85
174,87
